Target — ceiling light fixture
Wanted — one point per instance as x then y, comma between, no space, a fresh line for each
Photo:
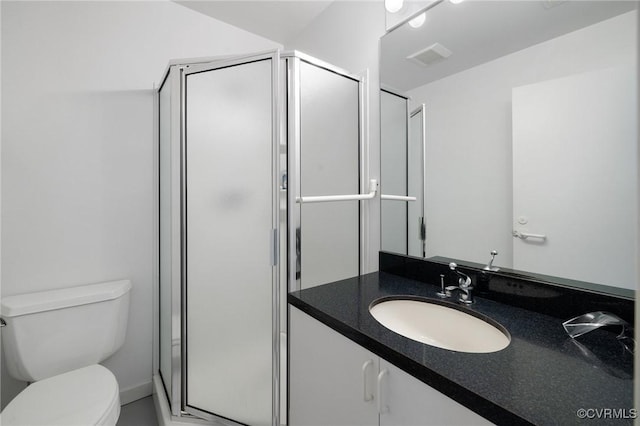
418,20
456,1
393,6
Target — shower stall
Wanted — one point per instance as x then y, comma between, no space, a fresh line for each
242,144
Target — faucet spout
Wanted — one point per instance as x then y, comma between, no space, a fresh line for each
463,279
464,286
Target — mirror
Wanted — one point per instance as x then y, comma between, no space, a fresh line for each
530,136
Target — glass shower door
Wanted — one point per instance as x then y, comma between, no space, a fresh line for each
394,116
230,194
164,208
329,164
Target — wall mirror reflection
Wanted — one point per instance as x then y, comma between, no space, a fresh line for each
530,136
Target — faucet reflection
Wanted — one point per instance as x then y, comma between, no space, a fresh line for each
590,321
464,286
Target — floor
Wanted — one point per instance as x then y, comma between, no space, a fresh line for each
138,413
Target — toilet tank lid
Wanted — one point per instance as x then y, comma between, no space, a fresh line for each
29,303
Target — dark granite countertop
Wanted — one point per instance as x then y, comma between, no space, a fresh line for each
543,377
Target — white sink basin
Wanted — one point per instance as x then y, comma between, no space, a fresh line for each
439,324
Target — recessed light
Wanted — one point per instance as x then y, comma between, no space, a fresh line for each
393,6
418,20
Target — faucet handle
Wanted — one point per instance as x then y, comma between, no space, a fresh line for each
443,292
464,286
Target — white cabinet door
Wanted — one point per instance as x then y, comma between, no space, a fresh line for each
331,379
335,382
405,400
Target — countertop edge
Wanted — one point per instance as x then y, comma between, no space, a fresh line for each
460,394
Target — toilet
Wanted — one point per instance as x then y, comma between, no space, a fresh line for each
55,340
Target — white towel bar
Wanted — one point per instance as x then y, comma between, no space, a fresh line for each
525,235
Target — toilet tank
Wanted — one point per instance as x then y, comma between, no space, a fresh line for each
52,332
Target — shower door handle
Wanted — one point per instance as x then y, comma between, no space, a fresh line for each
397,197
373,189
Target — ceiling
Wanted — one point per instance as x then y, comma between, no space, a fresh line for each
279,21
480,31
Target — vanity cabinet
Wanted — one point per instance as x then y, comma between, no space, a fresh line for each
328,376
406,401
334,381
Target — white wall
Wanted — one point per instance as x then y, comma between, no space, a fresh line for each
77,162
469,176
582,130
347,35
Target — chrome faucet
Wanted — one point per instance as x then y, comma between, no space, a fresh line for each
464,286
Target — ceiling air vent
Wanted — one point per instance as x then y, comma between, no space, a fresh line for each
434,53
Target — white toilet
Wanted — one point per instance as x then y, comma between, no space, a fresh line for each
55,339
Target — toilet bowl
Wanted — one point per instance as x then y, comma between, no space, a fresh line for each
55,340
86,396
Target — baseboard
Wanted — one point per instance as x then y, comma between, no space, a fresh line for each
135,393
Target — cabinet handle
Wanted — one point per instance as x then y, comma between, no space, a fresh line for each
366,395
381,407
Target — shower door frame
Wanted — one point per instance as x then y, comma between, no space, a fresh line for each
422,226
177,80
172,78
393,92
294,210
